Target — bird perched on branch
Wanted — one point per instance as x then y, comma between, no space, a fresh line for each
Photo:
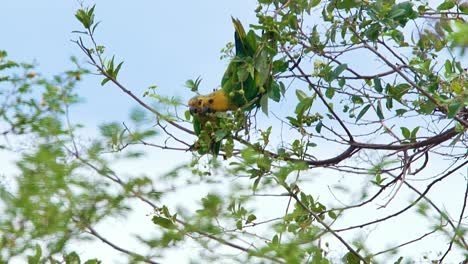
245,84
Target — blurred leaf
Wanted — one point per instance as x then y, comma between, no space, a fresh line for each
340,69
446,5
264,104
300,95
72,258
453,108
363,112
330,92
357,99
163,222
137,115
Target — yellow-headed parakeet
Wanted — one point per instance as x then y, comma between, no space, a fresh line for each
245,83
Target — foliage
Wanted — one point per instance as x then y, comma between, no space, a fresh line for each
383,119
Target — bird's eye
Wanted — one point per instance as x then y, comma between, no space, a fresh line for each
210,101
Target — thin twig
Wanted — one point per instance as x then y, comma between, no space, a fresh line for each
460,218
93,232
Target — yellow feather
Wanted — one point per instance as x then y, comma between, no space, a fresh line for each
217,101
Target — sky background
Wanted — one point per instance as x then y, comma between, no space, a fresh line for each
162,43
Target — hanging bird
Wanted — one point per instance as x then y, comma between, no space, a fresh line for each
247,78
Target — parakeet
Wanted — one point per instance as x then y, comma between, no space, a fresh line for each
217,101
247,78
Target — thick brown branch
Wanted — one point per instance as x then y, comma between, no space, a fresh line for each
435,140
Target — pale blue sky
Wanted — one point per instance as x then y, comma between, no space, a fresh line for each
162,42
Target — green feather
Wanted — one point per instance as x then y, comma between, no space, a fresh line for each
247,71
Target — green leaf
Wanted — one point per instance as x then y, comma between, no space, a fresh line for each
275,240
414,132
105,81
301,95
400,112
405,132
37,257
427,107
377,84
357,99
251,218
399,90
314,3
396,13
446,5
347,4
264,103
350,258
389,103
220,135
332,214
239,224
163,222
72,258
318,127
373,32
116,71
303,105
193,85
340,69
275,93
279,66
453,108
110,66
137,115
379,111
399,261
187,115
255,184
93,261
330,92
86,16
456,87
363,112
293,121
8,64
464,8
342,82
282,88
448,68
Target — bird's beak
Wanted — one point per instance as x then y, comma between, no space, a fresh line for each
193,110
206,109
